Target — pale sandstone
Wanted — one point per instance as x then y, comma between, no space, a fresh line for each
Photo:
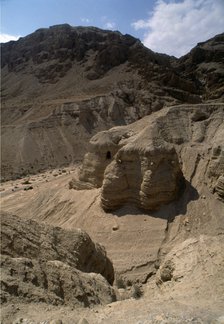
145,163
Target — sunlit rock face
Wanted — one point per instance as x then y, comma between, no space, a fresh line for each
148,162
146,179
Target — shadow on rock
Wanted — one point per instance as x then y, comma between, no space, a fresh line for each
170,211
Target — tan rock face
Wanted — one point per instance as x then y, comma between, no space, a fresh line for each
52,282
146,180
53,243
49,264
216,171
103,147
219,188
194,262
145,163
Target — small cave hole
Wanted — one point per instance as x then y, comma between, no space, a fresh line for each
199,117
108,156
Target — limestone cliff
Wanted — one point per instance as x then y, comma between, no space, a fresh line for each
148,162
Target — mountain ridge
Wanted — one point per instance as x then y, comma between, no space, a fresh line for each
150,189
64,82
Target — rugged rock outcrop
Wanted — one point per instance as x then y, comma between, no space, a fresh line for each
146,176
219,187
52,265
145,163
195,262
61,85
62,44
204,65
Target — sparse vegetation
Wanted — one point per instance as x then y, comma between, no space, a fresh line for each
26,182
70,184
120,283
126,289
28,188
129,283
136,292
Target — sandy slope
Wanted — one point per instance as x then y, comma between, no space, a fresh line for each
139,235
138,241
177,251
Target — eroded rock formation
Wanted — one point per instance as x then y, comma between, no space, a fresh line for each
52,265
195,262
147,177
145,163
204,64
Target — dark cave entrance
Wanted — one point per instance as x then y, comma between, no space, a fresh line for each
108,156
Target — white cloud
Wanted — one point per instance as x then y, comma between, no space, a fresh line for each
139,24
109,25
175,27
4,38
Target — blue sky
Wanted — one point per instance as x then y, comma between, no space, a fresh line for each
21,17
168,26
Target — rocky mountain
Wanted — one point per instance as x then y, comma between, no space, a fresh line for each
149,130
63,84
205,66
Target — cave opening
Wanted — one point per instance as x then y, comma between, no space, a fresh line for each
108,156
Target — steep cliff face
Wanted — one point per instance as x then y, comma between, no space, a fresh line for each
62,43
205,66
61,85
146,162
147,179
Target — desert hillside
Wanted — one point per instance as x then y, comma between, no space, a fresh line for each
62,85
164,225
112,192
